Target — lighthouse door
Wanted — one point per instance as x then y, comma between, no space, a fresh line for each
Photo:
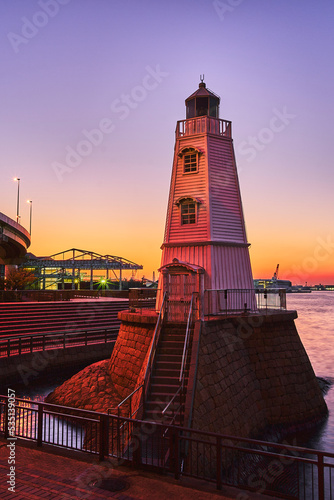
180,289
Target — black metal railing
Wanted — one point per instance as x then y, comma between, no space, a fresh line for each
58,295
281,470
142,298
238,301
127,406
23,344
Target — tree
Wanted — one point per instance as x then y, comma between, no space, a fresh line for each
19,279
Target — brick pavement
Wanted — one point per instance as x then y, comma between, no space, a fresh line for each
44,475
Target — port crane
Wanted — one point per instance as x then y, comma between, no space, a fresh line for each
275,277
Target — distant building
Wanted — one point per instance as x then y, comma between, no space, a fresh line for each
272,283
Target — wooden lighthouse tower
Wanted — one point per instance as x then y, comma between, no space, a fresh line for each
205,245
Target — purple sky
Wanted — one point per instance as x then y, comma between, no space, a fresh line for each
71,66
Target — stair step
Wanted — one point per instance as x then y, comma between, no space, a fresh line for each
169,342
159,379
163,396
164,389
174,331
177,355
167,372
170,367
171,350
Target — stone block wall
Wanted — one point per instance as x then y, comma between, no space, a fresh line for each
128,361
104,385
253,373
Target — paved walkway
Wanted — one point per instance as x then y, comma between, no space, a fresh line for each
44,475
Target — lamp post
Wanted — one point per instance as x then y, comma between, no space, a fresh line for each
30,203
18,200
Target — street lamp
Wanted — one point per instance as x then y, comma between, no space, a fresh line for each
30,203
18,199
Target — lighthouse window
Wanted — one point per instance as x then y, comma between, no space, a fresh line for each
190,163
188,212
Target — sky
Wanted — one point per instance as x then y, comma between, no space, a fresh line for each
91,91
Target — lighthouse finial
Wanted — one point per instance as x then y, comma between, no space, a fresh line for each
201,77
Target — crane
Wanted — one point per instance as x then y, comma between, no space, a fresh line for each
275,277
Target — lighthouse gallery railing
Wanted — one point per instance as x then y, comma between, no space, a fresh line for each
203,125
238,301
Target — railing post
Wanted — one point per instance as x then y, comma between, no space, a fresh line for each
219,462
6,419
8,348
31,343
104,444
136,444
321,477
174,452
40,424
118,437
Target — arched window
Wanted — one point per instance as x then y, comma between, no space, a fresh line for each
190,163
188,210
190,157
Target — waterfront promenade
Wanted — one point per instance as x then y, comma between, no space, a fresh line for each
44,475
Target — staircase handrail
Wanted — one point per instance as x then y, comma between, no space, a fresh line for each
118,407
154,344
187,338
171,401
184,360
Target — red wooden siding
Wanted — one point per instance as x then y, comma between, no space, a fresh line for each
194,254
227,222
193,185
231,268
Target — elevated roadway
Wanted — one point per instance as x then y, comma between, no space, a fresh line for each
14,241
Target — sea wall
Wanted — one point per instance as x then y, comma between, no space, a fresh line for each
26,367
253,373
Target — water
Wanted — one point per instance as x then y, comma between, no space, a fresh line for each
315,326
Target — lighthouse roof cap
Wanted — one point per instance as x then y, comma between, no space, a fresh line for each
202,91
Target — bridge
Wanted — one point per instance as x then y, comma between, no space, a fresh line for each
14,241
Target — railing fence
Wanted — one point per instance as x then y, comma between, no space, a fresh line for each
24,344
277,469
238,301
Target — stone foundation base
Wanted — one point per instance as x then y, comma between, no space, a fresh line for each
253,373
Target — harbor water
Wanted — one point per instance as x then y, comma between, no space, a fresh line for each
315,325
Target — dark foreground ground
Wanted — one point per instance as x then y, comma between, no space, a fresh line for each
44,475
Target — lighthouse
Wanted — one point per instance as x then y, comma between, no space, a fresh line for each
205,246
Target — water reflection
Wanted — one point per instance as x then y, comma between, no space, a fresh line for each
315,325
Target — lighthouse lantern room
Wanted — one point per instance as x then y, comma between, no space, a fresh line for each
205,245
